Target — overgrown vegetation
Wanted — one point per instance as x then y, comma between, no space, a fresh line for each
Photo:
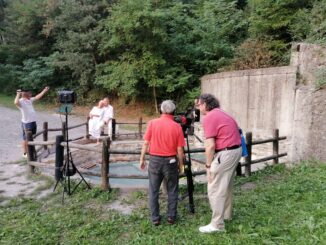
285,207
320,78
143,49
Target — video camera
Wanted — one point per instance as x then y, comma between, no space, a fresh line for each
186,120
67,96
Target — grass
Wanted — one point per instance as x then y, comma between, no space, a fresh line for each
287,206
8,101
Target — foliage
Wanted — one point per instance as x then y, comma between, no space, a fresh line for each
320,77
285,207
138,34
318,22
9,75
36,73
148,50
279,23
72,24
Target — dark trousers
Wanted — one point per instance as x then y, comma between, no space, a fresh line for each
163,168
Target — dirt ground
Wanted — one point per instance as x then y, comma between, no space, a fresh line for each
14,178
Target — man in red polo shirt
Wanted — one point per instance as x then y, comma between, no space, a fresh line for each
164,140
223,152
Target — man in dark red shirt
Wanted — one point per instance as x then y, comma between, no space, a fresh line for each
164,140
223,152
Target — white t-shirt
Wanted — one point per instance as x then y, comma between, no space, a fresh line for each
27,110
108,113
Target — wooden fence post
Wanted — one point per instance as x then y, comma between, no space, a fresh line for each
248,158
238,170
45,134
87,128
105,164
113,129
275,145
140,127
31,153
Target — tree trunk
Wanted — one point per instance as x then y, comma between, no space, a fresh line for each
155,100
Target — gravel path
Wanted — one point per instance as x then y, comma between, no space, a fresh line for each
14,180
10,130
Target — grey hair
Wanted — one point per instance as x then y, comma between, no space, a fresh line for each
167,107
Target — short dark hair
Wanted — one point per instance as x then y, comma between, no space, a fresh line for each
210,100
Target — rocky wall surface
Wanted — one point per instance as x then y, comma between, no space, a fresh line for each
259,99
286,98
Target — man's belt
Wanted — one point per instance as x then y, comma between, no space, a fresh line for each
162,156
228,148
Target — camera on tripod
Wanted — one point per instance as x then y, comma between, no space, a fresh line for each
67,96
186,120
64,165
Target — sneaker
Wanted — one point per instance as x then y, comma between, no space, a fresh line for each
209,229
25,155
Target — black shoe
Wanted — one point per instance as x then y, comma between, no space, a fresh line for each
156,222
170,221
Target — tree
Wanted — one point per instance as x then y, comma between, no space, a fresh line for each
73,25
163,47
275,23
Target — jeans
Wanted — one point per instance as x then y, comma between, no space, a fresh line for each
159,168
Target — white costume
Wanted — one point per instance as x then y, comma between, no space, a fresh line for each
108,115
95,122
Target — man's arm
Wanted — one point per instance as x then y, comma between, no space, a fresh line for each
40,95
142,163
16,101
181,157
209,151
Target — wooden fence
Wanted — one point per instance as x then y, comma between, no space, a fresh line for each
116,135
250,143
105,174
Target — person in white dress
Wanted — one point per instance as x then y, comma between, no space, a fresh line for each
96,116
108,115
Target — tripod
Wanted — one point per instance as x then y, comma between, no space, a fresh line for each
188,172
68,169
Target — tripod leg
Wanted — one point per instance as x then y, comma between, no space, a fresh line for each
63,194
83,179
56,184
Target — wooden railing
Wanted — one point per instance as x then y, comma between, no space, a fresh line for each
250,143
106,152
116,135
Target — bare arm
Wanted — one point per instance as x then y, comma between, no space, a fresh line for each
142,163
181,157
40,95
16,101
209,150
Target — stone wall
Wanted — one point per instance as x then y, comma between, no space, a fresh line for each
259,99
309,119
279,97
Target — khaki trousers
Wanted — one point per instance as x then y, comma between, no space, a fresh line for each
221,186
